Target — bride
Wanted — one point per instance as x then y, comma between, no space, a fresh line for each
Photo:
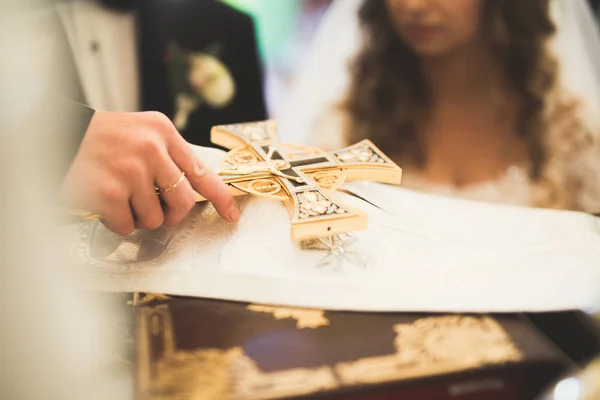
494,100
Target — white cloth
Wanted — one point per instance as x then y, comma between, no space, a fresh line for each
104,46
426,253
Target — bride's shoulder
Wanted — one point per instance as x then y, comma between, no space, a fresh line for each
568,127
573,144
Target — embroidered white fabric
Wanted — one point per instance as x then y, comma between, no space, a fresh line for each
426,253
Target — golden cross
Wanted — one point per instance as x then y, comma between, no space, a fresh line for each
300,176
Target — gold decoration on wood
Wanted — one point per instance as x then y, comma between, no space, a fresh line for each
300,176
426,347
214,374
469,340
211,373
201,374
145,298
435,345
305,318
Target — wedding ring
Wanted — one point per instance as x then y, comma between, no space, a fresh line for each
172,186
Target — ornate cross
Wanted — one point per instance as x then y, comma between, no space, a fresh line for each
300,176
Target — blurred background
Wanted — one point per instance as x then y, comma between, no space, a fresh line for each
52,335
285,30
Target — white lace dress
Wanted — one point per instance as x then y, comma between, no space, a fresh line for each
513,187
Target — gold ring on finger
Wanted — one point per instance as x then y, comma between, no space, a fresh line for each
174,185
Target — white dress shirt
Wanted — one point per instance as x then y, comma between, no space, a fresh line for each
104,46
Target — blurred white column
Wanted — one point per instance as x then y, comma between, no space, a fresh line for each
54,342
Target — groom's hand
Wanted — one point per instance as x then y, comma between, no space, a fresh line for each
124,157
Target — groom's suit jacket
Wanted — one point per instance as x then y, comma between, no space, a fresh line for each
194,60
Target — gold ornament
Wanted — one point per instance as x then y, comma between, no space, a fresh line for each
300,176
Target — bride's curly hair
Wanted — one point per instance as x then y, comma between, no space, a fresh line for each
388,93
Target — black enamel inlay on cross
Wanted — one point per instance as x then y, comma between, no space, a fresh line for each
308,161
276,155
301,163
292,172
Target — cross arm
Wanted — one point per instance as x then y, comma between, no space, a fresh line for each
315,214
242,135
364,161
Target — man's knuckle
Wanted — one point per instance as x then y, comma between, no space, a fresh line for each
112,193
150,147
172,218
125,229
183,203
191,201
132,168
120,227
200,169
153,220
161,122
156,115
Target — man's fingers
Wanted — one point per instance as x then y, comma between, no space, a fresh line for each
203,180
178,204
210,185
119,218
146,207
176,192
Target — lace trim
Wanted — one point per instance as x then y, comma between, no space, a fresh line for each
513,187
